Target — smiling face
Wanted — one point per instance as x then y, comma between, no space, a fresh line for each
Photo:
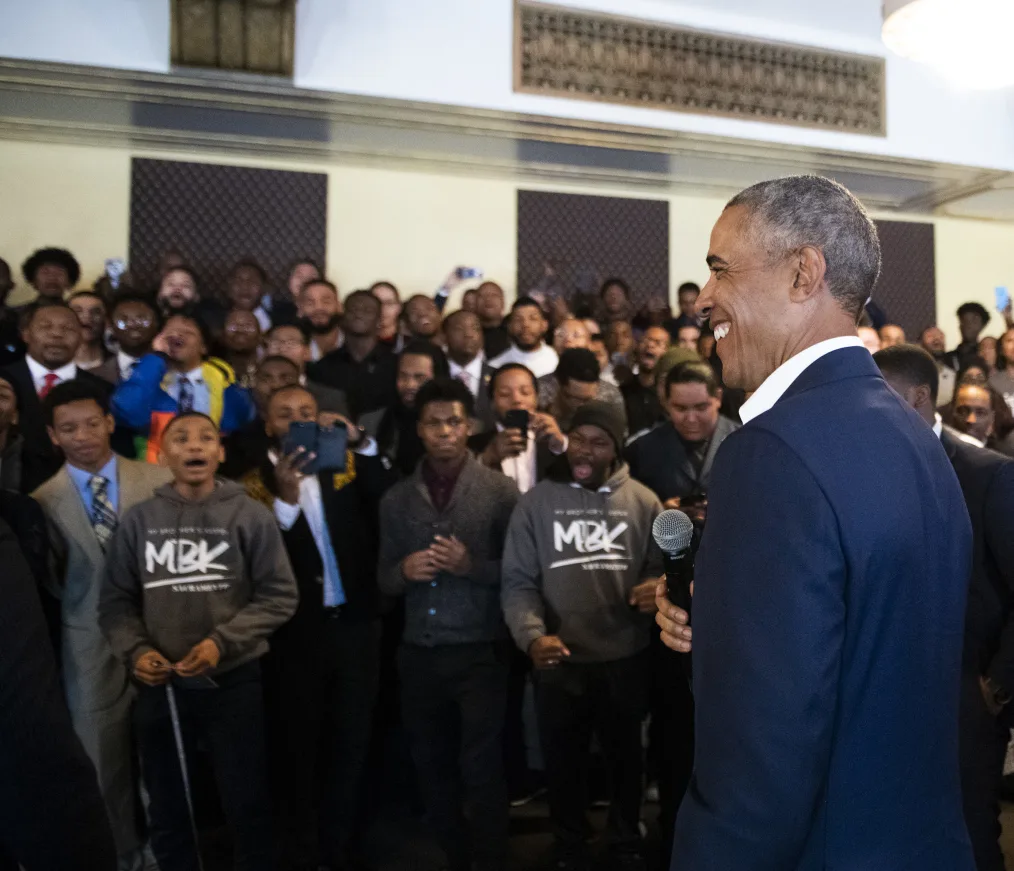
246,287
320,307
192,450
571,333
242,332
134,326
749,296
177,290
82,432
91,314
591,454
53,336
422,317
362,315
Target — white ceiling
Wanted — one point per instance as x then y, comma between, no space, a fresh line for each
860,18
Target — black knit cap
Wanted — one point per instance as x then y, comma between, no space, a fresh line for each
606,417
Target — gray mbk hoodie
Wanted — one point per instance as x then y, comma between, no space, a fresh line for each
180,571
571,558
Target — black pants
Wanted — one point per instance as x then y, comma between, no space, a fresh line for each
229,722
983,745
454,698
321,693
671,737
610,700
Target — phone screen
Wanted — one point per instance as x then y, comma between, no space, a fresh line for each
517,418
1002,299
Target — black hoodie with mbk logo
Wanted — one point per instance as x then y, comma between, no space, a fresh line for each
179,571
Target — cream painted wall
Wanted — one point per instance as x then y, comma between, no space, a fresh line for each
407,227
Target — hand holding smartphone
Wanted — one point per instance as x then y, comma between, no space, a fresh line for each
328,444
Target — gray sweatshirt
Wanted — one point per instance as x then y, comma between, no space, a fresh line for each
178,572
572,557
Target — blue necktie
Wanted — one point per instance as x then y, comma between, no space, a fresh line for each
334,591
186,401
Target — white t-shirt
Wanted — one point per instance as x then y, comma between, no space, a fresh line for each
542,361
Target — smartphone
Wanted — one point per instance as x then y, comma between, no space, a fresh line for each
442,528
1002,299
517,418
328,443
466,272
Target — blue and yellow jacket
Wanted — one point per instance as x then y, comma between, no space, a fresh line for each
145,396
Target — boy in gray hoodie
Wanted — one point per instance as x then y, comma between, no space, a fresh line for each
197,580
579,574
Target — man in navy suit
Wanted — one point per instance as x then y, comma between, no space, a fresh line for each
828,620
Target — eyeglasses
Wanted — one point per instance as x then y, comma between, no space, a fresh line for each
139,321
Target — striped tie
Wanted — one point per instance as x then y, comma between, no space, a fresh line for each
103,518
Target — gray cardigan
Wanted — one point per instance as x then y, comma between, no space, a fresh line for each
450,609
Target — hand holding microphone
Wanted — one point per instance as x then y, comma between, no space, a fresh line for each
673,532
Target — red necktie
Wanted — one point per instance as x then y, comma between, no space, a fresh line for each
51,378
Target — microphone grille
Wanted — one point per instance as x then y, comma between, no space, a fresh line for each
673,531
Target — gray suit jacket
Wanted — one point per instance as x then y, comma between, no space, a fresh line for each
93,677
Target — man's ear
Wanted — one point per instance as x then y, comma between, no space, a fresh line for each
922,396
809,268
52,435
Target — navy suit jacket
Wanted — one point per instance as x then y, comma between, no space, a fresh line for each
828,621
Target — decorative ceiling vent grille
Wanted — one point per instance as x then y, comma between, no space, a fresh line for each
586,56
254,36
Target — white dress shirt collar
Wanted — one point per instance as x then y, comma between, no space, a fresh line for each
39,372
938,424
781,379
524,468
126,363
473,370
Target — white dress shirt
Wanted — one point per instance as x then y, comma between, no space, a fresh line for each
263,318
311,506
541,361
470,375
523,469
202,394
39,373
125,364
781,379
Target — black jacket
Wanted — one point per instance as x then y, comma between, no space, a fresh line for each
987,483
658,459
368,385
351,506
39,459
52,816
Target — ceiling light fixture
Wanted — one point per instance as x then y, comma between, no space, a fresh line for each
966,41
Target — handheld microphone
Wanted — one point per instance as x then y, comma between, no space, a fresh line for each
673,532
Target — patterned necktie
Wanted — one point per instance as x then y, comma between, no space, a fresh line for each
186,403
103,517
49,382
465,378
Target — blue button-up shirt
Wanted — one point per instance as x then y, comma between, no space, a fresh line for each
82,480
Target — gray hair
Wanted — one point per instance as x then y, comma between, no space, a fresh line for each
811,210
